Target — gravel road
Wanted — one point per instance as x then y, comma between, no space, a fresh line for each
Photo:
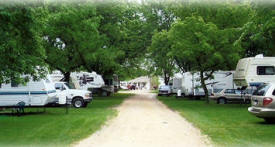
143,121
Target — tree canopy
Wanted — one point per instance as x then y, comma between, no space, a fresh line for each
128,38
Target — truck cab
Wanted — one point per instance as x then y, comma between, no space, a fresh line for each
78,98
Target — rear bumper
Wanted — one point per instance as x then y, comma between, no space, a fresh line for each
262,112
164,92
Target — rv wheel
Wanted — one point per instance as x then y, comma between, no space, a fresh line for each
78,102
221,101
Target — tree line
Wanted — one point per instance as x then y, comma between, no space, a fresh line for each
130,38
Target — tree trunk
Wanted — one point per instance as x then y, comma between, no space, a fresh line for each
67,76
166,79
204,87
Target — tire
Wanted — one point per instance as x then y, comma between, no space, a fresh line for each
270,120
247,101
78,102
221,101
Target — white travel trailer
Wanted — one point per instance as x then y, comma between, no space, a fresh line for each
254,71
33,93
81,80
87,80
189,83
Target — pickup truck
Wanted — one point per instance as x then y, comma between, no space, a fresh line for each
78,98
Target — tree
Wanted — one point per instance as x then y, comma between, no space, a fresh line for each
20,45
258,34
204,46
71,37
163,63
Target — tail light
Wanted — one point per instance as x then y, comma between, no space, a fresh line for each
267,101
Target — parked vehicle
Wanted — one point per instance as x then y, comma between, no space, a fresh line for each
165,90
78,98
33,93
263,102
232,95
87,80
254,71
190,85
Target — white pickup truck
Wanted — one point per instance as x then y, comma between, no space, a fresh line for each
78,98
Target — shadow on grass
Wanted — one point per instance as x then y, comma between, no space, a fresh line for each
20,114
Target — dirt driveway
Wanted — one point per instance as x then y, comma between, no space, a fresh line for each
143,121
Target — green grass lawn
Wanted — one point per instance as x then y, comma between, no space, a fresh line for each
55,128
226,125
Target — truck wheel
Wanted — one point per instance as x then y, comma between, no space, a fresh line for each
221,101
78,102
269,120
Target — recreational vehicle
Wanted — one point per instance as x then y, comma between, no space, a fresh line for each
88,80
81,80
33,93
189,83
254,71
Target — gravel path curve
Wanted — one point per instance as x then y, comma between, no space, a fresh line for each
143,121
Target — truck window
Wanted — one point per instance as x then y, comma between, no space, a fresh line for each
265,70
58,86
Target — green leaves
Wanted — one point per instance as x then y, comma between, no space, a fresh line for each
20,48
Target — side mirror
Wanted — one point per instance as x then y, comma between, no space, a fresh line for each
63,88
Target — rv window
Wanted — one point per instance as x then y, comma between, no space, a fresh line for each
90,79
265,70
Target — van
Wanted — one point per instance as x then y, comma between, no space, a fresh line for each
33,93
254,71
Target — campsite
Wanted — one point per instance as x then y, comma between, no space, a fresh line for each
104,73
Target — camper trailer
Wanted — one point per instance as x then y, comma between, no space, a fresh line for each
33,93
87,80
81,80
254,71
189,83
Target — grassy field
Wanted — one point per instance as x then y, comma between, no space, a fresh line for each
54,127
226,125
